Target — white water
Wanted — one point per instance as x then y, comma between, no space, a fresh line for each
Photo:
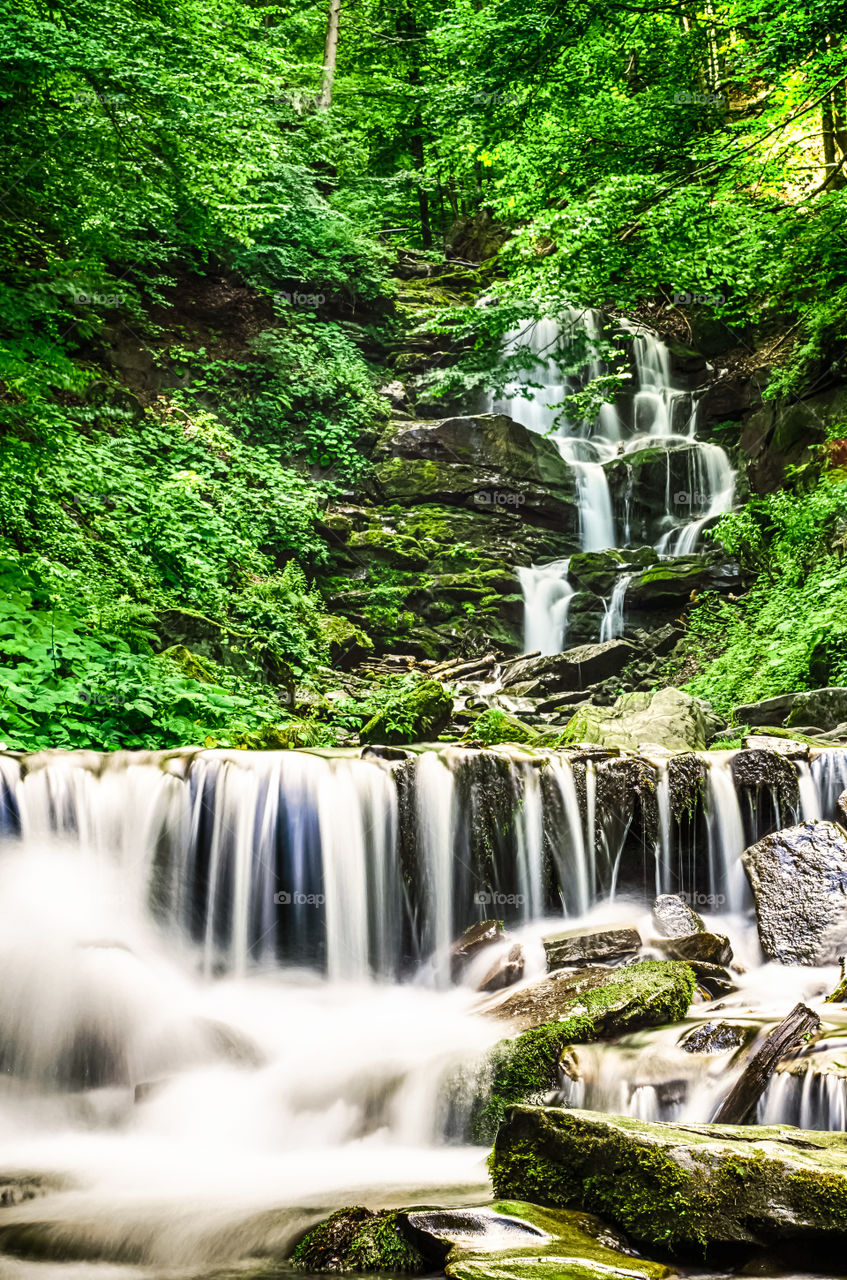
207,1078
614,617
656,412
547,596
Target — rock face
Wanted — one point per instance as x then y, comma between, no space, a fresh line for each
487,460
572,670
799,882
506,971
667,718
646,994
682,1188
515,1240
587,946
673,918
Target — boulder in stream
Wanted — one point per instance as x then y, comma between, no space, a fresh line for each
799,882
701,947
573,1008
359,1239
506,970
576,947
674,918
715,1037
682,1188
666,718
475,939
513,1240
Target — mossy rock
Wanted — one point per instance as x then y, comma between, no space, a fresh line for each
495,726
188,663
647,994
358,1239
347,642
514,1240
416,715
682,1189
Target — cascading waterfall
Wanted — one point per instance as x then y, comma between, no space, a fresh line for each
614,617
547,597
187,939
656,413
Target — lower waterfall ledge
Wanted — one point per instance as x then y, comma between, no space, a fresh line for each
681,1189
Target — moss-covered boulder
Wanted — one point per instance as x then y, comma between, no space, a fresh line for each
495,726
347,643
666,718
513,1240
358,1239
415,714
607,1003
685,1188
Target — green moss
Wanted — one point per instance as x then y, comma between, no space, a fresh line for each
679,1188
646,994
495,726
357,1239
412,713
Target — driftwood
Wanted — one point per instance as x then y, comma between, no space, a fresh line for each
739,1104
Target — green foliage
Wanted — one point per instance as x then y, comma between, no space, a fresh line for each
789,632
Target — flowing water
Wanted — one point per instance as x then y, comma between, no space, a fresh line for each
226,1005
656,413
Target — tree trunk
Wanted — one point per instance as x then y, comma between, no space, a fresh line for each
330,53
739,1104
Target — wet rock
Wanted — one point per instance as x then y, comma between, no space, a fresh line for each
505,971
425,712
667,718
671,582
841,808
799,882
687,1189
484,461
713,979
768,712
590,946
547,999
16,1188
572,670
647,994
520,1241
713,1037
475,939
357,1239
700,947
782,746
674,918
767,771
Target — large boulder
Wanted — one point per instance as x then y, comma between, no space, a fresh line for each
681,1188
699,947
666,718
646,994
799,882
486,461
359,1239
572,670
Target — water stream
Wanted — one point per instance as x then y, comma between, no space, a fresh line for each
226,1004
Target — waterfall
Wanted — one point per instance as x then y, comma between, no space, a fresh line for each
435,801
727,842
614,618
547,595
829,772
662,414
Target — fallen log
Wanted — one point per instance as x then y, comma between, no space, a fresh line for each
739,1104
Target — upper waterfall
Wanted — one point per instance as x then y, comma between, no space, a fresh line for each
652,411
